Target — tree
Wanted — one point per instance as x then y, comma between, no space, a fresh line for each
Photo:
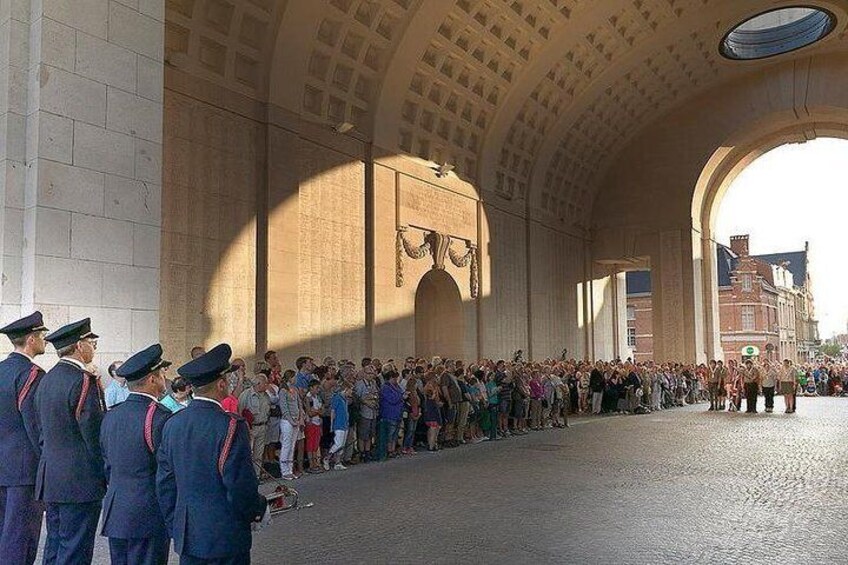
831,349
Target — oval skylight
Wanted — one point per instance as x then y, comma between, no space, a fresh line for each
777,31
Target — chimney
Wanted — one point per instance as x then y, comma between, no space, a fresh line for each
739,244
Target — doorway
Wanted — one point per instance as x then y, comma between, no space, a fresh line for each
439,324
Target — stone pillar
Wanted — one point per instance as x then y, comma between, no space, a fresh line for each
14,62
605,293
712,335
585,304
619,280
677,283
91,137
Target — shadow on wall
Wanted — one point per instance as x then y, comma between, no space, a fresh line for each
443,337
224,170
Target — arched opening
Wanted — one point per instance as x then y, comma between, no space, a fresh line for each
802,290
439,327
720,258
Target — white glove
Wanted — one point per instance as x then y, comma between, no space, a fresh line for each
265,521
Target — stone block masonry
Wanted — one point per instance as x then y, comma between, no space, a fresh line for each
81,111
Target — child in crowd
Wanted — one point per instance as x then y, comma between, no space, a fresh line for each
339,423
314,408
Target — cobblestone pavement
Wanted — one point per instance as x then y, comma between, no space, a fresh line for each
684,485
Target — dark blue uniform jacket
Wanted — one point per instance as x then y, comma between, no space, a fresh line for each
129,437
19,430
206,482
70,410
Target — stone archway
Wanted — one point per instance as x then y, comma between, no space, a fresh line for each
661,203
439,324
731,158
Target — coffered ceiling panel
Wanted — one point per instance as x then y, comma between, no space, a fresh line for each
531,100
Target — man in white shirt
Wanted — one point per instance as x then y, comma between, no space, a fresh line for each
116,390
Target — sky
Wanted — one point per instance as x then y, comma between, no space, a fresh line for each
790,195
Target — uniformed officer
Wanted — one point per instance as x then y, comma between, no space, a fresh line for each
721,376
752,377
70,479
20,512
713,384
206,482
129,437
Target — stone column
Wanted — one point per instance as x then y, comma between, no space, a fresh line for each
619,280
712,335
608,302
14,61
677,283
92,132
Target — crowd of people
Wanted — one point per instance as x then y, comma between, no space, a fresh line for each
315,417
154,459
326,415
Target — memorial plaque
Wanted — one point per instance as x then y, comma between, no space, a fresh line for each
426,206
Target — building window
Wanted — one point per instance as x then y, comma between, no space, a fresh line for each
747,283
747,318
631,337
631,312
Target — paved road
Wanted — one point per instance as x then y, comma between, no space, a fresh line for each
678,486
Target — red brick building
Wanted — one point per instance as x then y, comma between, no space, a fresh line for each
747,301
757,303
640,323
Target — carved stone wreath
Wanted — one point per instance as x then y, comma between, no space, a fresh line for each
438,245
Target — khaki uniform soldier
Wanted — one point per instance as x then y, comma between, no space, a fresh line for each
752,377
713,382
721,375
787,385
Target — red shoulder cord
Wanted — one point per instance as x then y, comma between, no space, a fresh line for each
86,383
228,444
148,427
33,374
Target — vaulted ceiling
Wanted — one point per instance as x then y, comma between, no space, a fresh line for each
530,99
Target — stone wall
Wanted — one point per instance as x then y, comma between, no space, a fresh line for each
504,314
214,166
316,248
409,196
266,238
556,270
81,116
14,64
280,233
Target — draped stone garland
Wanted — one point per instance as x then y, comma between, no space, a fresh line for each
437,245
470,257
414,252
